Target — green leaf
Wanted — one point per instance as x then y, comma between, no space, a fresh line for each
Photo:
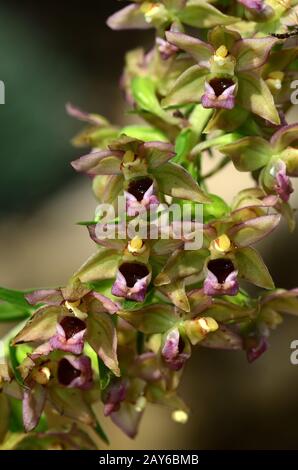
102,337
253,230
10,312
14,297
201,14
252,268
216,209
185,142
14,363
144,133
144,93
99,430
104,374
133,305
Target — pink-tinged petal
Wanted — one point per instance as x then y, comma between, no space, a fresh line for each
175,181
75,372
131,410
103,162
93,119
102,337
33,405
222,278
286,136
146,367
127,418
258,5
252,53
107,188
139,200
70,335
41,326
166,49
282,301
199,50
188,88
104,235
254,95
226,100
114,395
157,153
132,281
253,230
255,346
130,17
45,296
223,338
252,268
109,305
283,185
175,351
198,301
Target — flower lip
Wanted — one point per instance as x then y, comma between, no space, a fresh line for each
221,268
133,272
72,326
139,186
67,373
219,85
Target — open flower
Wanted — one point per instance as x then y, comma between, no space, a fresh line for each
161,14
276,160
227,73
71,317
227,253
140,196
75,372
134,164
132,280
44,375
175,350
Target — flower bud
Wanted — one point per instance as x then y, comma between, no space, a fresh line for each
42,375
198,328
180,416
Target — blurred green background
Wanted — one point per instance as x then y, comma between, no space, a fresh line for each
55,52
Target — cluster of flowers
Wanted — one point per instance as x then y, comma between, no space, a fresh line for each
123,328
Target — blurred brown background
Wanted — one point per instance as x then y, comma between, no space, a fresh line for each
54,52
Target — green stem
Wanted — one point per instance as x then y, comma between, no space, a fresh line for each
199,118
220,140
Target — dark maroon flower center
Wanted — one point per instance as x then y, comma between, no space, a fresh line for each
181,345
133,272
219,85
221,268
139,186
72,326
66,372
